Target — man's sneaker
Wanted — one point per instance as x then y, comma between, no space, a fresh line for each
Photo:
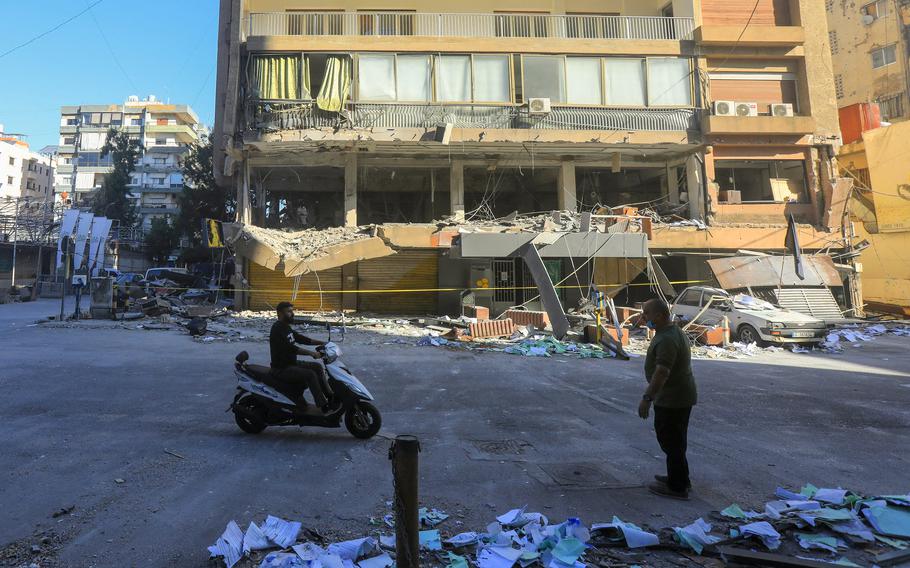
665,491
666,481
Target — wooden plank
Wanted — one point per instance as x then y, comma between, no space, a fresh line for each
893,558
749,557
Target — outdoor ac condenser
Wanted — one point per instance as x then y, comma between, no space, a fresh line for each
539,106
746,109
724,108
782,110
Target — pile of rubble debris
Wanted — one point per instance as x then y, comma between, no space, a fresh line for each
812,527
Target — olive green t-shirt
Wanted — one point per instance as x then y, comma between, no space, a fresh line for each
670,348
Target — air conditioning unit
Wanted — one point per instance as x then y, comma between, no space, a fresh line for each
538,106
746,109
782,110
724,108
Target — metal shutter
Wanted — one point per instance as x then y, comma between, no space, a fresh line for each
815,302
271,286
407,270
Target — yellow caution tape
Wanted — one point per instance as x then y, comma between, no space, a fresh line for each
424,290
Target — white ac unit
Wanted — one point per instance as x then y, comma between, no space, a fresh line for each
539,106
746,109
724,108
782,109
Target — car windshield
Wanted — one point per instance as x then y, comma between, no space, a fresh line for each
751,303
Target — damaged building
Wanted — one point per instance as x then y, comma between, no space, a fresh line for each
365,144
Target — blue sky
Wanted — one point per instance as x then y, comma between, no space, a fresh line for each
166,48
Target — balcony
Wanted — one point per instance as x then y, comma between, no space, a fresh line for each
753,36
166,149
272,117
183,132
400,24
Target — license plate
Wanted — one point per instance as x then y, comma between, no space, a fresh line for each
803,334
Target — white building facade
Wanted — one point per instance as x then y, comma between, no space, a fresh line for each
165,131
24,174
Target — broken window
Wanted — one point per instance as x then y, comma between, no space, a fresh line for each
875,10
892,107
626,82
669,82
584,80
884,56
279,77
770,181
545,77
690,298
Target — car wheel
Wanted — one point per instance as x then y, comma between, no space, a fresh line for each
748,334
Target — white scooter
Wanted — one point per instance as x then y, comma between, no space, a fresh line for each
263,400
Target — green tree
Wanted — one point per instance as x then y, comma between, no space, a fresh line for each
202,198
160,241
112,200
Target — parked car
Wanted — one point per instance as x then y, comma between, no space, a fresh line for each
153,274
751,320
128,278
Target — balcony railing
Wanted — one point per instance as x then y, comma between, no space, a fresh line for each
468,25
273,117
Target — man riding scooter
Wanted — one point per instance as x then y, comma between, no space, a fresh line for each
284,344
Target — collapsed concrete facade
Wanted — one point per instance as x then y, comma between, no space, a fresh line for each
701,114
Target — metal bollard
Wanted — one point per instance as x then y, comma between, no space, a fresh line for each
403,454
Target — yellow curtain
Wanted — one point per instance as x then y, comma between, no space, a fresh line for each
278,77
336,87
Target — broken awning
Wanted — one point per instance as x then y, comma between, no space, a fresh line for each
552,245
740,272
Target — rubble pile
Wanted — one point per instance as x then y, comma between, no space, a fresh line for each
827,526
305,243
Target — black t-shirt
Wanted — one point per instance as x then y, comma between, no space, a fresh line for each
281,344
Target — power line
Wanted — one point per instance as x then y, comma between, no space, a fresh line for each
50,31
111,49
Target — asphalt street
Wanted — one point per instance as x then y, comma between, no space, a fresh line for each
92,418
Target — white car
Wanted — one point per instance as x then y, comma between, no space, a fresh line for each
751,320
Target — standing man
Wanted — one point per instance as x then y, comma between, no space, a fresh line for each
671,389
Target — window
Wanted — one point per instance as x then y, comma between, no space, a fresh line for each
72,121
773,181
159,161
453,78
376,78
412,78
690,298
278,77
884,56
9,180
892,107
135,122
545,77
832,39
829,6
160,141
875,10
626,82
584,80
668,82
521,25
839,86
69,140
491,79
393,23
12,161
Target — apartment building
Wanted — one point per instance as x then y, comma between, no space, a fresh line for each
870,54
712,112
165,131
24,174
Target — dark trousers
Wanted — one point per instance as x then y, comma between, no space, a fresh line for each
672,428
312,376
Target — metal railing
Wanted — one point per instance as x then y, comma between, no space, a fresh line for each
468,25
273,117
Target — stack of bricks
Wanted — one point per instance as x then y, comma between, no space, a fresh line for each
491,329
540,320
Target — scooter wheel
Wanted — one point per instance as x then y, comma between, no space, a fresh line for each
363,420
246,415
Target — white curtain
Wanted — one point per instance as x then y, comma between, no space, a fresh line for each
584,86
376,78
545,77
625,82
413,78
669,82
491,79
453,78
